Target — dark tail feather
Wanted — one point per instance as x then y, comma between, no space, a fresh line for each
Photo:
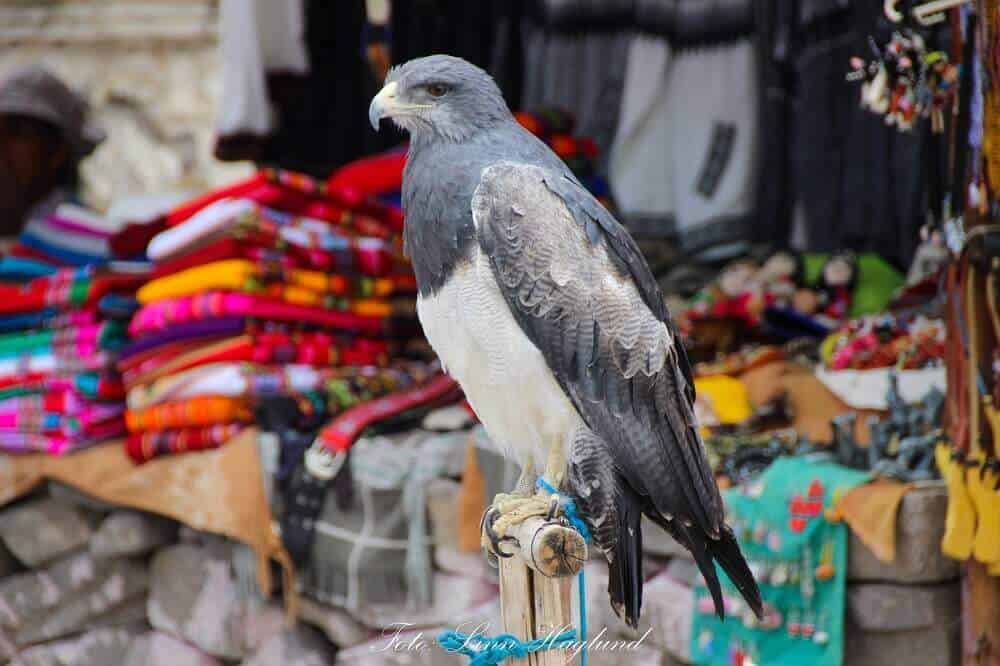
727,553
625,570
696,543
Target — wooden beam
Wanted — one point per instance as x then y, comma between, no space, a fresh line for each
536,583
516,607
553,615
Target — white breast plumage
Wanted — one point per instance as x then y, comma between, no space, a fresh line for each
503,373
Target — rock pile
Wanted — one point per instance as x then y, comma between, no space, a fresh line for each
86,584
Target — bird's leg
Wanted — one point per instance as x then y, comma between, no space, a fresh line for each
524,488
555,466
508,511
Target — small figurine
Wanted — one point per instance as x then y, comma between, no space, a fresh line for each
837,284
782,274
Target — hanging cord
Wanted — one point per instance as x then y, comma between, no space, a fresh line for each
484,651
569,508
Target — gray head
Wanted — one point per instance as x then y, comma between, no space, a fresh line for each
439,98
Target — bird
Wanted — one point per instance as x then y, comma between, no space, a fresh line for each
540,305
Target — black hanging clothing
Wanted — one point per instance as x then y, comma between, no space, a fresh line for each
328,126
859,183
321,115
470,30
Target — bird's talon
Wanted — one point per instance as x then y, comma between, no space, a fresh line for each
489,518
553,508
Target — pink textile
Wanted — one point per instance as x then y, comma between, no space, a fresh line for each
161,314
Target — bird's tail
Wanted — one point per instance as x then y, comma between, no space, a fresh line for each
724,550
625,567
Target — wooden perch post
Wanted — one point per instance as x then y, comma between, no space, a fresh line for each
535,586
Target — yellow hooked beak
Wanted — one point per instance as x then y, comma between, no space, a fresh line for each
386,103
382,104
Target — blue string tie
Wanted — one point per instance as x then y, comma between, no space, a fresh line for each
484,651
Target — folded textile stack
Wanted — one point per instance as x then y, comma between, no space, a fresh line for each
64,312
68,235
270,287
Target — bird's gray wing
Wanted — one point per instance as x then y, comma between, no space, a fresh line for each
580,290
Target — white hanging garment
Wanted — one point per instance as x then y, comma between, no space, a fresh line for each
256,37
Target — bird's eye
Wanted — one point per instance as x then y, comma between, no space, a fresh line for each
437,89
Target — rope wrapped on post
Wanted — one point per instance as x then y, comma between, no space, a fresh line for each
484,651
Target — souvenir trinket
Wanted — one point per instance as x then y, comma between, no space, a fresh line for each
825,571
822,636
808,627
772,618
794,627
779,575
806,582
833,514
905,82
759,532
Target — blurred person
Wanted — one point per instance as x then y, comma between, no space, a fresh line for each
44,134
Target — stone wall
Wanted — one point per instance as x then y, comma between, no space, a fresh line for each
151,71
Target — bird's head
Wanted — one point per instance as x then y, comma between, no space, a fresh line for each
439,97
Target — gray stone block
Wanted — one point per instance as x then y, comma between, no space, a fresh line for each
919,528
194,596
336,623
126,532
132,610
918,625
8,563
70,495
7,647
99,647
883,607
300,646
158,649
104,602
39,531
27,594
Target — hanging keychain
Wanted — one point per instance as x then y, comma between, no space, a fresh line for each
905,82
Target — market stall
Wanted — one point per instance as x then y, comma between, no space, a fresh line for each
226,438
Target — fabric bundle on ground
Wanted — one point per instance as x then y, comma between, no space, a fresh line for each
64,313
267,289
